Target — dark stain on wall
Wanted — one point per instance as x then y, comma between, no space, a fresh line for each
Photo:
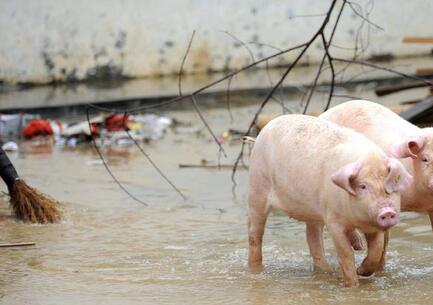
72,76
105,72
101,52
120,40
48,62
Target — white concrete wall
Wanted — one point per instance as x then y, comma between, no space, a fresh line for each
48,40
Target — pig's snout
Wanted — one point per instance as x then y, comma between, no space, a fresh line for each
387,218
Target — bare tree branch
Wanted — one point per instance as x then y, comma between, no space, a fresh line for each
378,67
200,90
154,165
183,62
290,67
197,109
106,165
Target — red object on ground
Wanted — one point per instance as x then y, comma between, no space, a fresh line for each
116,122
36,128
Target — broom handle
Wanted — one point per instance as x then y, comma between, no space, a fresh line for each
7,170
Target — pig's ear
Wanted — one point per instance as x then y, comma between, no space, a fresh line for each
407,148
344,177
398,177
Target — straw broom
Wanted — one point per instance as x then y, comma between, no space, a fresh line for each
28,204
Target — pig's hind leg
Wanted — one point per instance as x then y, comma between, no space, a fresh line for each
317,251
355,240
257,216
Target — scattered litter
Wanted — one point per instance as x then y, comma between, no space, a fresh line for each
95,162
11,125
153,127
72,142
10,146
115,132
41,127
82,128
186,129
232,136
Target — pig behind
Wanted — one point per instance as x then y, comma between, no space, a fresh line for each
322,174
398,138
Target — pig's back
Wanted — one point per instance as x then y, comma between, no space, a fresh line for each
375,121
310,137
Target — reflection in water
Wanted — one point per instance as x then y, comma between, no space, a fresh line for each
112,250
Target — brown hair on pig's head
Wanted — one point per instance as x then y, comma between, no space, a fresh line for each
420,149
374,183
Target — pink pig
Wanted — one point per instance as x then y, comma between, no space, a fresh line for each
323,174
399,139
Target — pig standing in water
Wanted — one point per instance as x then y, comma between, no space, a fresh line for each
322,174
399,139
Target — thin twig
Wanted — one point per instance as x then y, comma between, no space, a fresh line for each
228,104
15,245
106,165
352,4
197,109
368,64
183,62
241,43
328,54
154,165
316,79
200,90
251,54
290,67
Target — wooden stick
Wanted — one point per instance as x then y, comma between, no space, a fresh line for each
410,39
424,71
389,89
13,245
212,166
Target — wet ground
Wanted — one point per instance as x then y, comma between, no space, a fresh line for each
113,250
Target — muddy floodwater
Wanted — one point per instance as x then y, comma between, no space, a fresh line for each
113,250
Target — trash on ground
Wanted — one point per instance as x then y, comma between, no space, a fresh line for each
11,125
110,130
10,146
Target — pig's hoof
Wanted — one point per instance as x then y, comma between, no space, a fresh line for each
255,268
322,268
381,267
351,284
364,271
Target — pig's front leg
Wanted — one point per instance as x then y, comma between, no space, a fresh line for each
345,254
430,215
376,249
315,243
383,258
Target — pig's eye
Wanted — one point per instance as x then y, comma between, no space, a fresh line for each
363,186
425,159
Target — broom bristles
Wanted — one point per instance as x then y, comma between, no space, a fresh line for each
30,205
